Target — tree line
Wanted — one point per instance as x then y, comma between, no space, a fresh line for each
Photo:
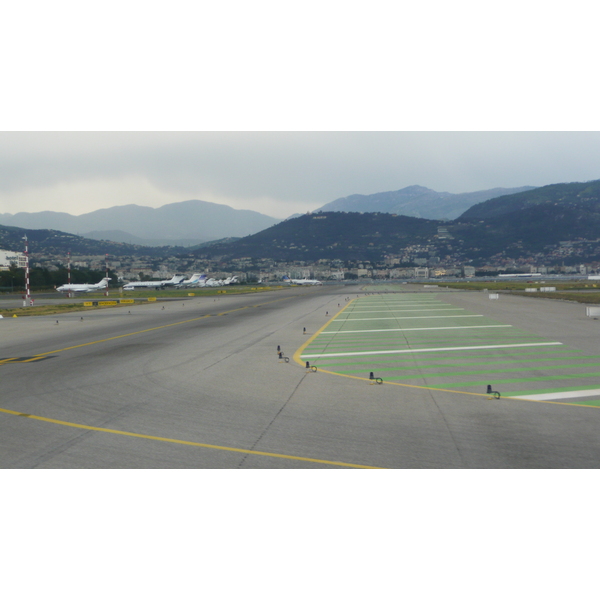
44,279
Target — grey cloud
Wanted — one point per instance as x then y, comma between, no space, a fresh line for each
314,167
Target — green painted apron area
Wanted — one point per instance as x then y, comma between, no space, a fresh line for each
513,371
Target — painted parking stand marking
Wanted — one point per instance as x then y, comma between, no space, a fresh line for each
416,329
433,370
412,318
414,350
512,358
588,389
560,395
363,350
543,378
359,312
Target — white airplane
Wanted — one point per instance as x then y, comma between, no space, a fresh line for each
286,279
84,287
220,282
137,285
196,280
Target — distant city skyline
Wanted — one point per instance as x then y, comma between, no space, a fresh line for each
275,173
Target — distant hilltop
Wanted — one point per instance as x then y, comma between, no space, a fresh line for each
178,224
418,201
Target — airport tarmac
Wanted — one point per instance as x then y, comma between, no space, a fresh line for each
199,384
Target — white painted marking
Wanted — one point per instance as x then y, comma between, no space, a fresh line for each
376,304
370,312
560,395
425,317
415,350
417,329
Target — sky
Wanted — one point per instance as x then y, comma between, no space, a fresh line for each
276,173
270,109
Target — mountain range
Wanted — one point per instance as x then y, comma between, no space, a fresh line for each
194,222
517,225
418,201
178,224
533,222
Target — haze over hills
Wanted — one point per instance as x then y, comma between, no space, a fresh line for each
179,224
418,201
116,235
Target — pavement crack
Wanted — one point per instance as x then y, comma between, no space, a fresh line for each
260,437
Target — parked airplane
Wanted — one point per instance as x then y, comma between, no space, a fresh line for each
140,285
84,287
286,279
220,282
196,280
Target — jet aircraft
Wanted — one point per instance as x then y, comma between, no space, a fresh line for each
84,287
220,282
196,280
137,285
286,279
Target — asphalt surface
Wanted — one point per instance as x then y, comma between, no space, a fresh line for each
198,383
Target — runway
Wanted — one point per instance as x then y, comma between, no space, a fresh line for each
198,384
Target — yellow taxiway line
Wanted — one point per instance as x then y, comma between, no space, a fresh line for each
147,330
185,442
170,440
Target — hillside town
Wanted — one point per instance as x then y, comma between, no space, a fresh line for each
415,262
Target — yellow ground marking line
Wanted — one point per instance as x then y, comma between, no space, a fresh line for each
170,440
185,442
300,350
148,330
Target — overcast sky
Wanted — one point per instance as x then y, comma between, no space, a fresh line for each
275,173
398,95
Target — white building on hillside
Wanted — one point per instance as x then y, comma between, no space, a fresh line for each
7,258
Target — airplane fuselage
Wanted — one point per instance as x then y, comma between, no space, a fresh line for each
84,287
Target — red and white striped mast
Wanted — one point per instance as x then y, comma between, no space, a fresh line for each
27,298
106,292
69,272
